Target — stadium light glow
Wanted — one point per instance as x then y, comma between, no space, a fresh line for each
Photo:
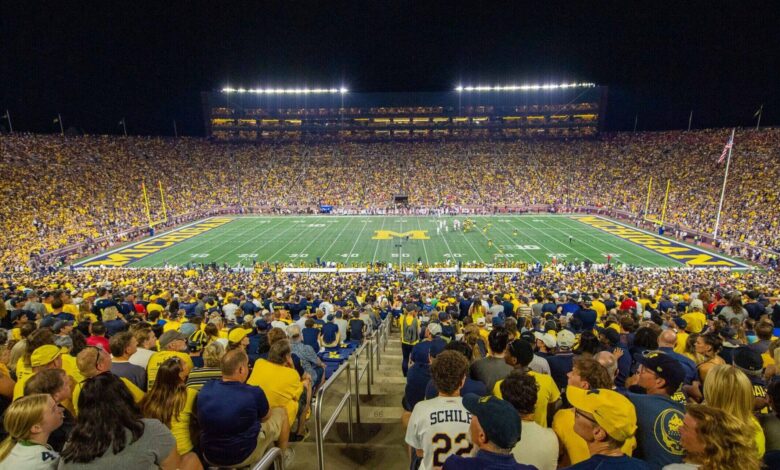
287,91
547,86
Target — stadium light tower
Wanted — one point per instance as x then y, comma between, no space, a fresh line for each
535,87
287,91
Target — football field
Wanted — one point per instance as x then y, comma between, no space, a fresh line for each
355,241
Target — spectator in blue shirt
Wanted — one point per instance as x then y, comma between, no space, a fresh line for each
470,385
331,337
417,378
232,414
311,335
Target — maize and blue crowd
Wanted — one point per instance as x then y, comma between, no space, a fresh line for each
547,368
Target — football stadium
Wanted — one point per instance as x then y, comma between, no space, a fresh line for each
356,243
273,237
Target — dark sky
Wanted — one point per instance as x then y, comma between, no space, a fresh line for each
149,61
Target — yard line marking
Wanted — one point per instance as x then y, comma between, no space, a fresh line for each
624,250
251,227
512,242
427,261
569,247
357,239
300,233
472,246
337,237
313,240
519,218
376,250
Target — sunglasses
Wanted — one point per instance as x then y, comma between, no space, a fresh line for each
581,414
98,349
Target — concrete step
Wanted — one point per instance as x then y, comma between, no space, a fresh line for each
376,446
379,438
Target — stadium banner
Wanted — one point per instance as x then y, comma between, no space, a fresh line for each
685,254
474,270
126,255
324,270
326,208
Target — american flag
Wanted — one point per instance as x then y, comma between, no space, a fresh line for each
726,149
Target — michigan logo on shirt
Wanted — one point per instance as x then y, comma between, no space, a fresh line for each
667,430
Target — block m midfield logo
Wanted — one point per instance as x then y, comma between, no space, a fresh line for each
411,235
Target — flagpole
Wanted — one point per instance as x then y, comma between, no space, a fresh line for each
124,126
59,119
760,111
175,131
723,190
690,118
8,116
636,119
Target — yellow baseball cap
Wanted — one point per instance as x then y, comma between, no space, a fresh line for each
611,410
237,334
44,355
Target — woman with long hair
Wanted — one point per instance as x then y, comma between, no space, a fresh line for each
714,439
729,389
29,421
170,401
55,382
707,348
473,339
112,433
734,308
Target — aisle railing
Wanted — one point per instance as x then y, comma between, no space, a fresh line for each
320,430
273,458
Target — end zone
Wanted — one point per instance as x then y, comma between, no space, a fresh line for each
121,257
681,252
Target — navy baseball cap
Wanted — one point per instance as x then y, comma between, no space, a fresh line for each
748,359
665,366
498,419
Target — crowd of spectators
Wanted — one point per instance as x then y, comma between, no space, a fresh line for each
88,189
592,381
210,367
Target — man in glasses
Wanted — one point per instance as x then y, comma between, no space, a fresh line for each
93,361
604,420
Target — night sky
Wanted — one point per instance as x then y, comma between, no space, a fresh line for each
150,61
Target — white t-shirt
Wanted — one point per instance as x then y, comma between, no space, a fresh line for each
30,457
440,427
538,446
141,357
230,310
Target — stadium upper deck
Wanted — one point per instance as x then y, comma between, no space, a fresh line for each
466,113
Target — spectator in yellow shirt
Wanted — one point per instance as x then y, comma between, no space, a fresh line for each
172,343
519,354
280,381
171,402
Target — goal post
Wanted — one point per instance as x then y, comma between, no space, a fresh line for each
148,205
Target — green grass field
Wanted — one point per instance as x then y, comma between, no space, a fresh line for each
357,240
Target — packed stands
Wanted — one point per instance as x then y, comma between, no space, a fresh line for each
77,195
653,343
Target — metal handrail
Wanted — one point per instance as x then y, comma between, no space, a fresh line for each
321,431
360,372
272,458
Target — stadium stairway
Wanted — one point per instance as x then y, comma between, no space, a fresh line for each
377,437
